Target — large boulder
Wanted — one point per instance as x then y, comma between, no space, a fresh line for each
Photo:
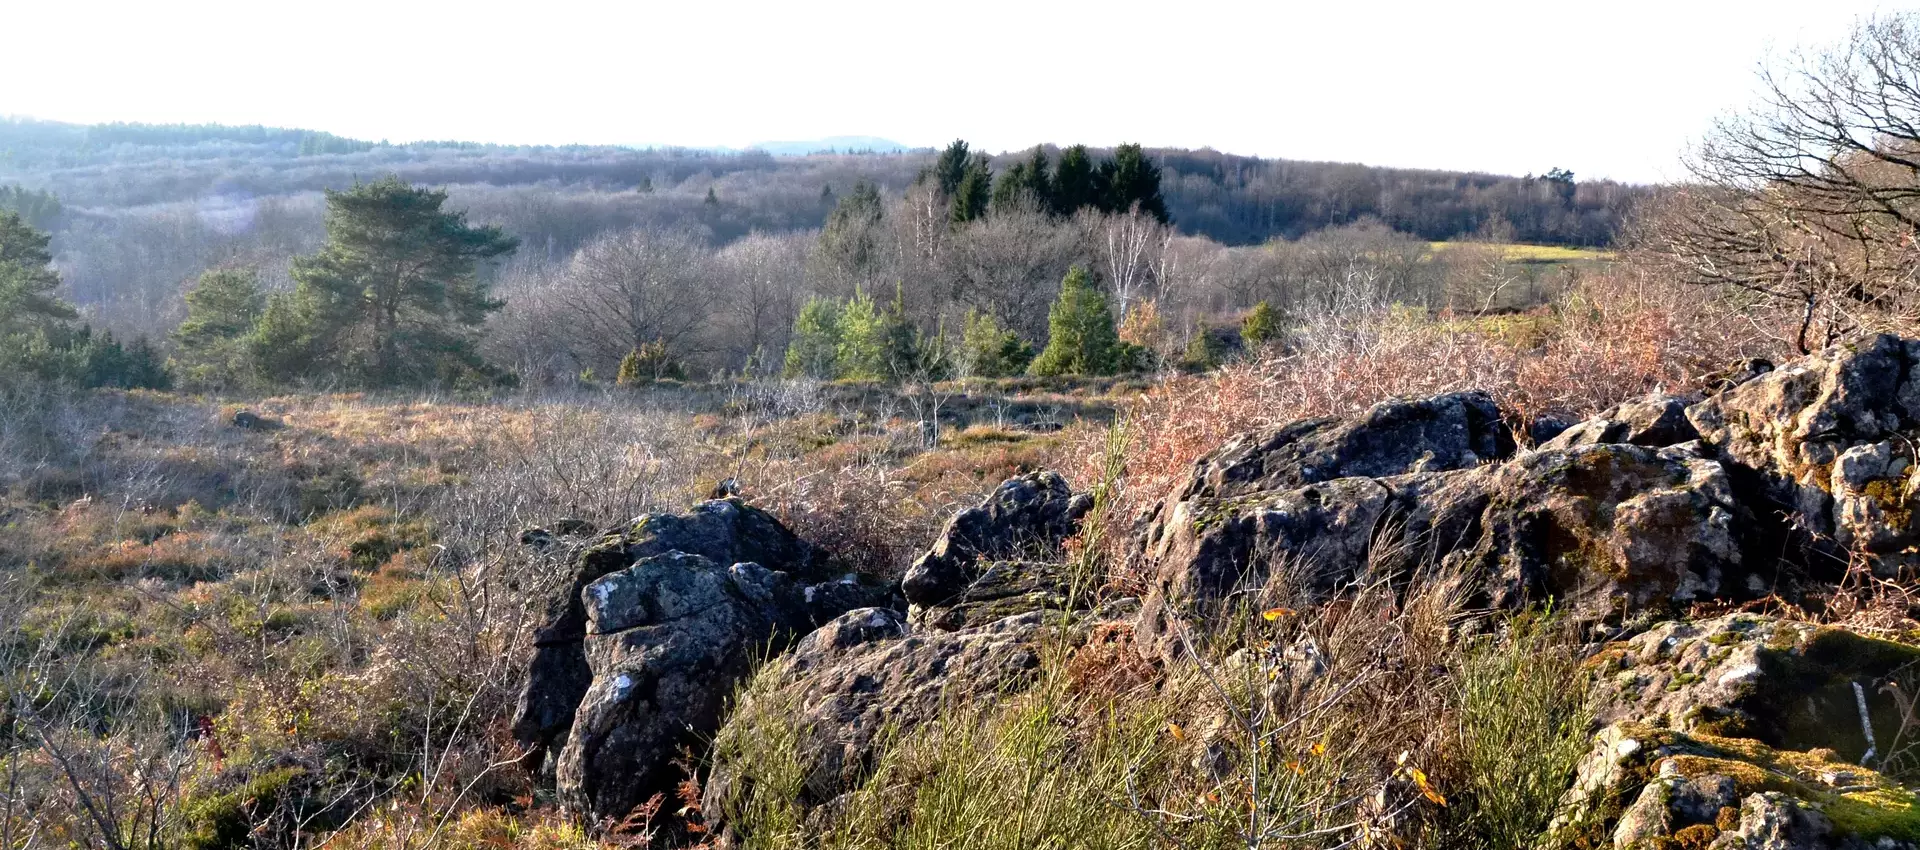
657,624
1605,531
1007,539
1830,440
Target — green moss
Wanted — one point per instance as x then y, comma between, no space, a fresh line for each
223,820
1882,812
1891,497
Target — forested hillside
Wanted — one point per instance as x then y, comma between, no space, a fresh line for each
138,213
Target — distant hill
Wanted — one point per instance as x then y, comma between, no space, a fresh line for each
832,144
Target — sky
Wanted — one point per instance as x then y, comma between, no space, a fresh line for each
1615,89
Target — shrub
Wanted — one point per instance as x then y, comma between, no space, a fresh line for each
1081,339
990,350
647,364
1260,327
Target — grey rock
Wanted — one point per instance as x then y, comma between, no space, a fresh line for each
1655,421
1029,515
1830,440
1605,531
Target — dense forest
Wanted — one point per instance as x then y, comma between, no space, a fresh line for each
727,248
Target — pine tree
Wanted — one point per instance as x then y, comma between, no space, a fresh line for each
1260,327
1081,339
1025,183
38,339
27,280
394,294
281,348
950,168
849,245
1132,181
1074,182
863,341
975,192
222,308
815,347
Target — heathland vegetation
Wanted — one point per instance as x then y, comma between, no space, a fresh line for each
1129,498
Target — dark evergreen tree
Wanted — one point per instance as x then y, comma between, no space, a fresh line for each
1074,182
1025,183
394,297
950,168
1132,181
222,309
27,280
969,201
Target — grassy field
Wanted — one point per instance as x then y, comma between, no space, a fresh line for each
1514,252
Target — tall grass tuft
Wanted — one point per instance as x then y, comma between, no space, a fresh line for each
1521,726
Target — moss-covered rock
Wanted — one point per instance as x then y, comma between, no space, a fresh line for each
1646,788
1782,683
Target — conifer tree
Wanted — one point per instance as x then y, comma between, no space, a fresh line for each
989,350
1074,182
1025,183
863,341
950,168
222,309
970,200
1260,327
1131,181
815,348
394,295
1081,339
28,300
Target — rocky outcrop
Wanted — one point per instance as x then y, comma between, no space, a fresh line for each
1831,441
849,689
985,598
1603,530
1645,787
1452,431
1655,421
1024,518
658,624
1746,731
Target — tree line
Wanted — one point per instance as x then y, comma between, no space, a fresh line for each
970,269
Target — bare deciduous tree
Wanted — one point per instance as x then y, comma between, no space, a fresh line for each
631,288
1127,248
1811,199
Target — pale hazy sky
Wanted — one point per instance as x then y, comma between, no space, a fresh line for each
1614,88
